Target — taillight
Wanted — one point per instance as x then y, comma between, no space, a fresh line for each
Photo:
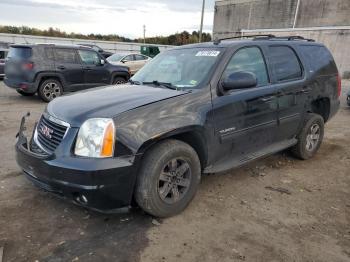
339,85
28,66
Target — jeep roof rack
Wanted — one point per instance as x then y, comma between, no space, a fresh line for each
266,37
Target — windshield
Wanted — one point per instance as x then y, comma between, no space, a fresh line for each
115,58
183,68
20,52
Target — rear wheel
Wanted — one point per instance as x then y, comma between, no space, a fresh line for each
168,178
119,80
310,137
21,92
50,89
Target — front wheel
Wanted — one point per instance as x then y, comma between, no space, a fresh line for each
50,89
168,180
310,137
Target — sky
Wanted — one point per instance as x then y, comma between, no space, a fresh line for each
121,17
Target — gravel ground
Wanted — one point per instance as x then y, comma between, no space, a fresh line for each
234,217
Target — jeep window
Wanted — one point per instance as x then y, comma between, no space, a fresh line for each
248,59
3,54
183,68
89,57
20,52
64,55
285,63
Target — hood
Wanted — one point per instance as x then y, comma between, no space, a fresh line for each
106,102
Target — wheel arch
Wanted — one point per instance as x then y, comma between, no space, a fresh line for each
120,74
191,135
49,75
321,106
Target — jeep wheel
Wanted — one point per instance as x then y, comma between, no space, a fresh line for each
310,137
119,80
50,89
21,92
168,178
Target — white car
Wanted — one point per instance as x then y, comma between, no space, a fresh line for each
134,61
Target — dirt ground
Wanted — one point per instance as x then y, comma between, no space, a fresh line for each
234,217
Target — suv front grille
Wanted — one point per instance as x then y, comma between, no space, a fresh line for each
49,134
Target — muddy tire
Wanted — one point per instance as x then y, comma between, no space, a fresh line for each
119,80
310,137
168,179
50,89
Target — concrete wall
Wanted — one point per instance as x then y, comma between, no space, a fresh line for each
234,15
117,47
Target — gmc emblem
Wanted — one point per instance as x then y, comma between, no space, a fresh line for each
46,131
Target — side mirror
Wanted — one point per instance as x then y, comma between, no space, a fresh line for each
123,61
239,80
103,62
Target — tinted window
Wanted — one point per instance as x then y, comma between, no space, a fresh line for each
319,58
68,56
140,57
20,52
89,57
2,54
248,60
285,63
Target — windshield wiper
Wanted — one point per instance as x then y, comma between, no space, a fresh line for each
134,82
157,83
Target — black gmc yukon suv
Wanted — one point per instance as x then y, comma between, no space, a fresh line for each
195,109
50,70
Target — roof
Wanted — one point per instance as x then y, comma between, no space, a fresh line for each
48,44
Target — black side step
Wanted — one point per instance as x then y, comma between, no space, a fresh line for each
230,163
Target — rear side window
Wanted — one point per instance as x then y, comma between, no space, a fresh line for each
68,56
285,64
251,60
49,53
319,58
2,54
20,52
129,58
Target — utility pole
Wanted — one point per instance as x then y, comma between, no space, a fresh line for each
296,14
144,34
202,18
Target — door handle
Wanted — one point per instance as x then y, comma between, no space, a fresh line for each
305,90
267,99
61,67
88,68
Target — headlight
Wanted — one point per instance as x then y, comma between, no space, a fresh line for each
96,138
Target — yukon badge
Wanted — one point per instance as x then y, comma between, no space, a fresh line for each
46,131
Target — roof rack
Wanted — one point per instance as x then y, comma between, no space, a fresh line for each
266,37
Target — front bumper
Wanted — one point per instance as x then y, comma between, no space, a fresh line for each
104,185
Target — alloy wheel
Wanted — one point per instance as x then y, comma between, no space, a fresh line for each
174,180
313,137
51,90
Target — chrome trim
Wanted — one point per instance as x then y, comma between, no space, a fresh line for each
55,120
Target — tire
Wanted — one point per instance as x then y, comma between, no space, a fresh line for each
50,89
24,93
310,137
152,187
119,80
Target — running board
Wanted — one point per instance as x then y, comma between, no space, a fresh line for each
230,163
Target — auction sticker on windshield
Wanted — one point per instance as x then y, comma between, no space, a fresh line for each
208,53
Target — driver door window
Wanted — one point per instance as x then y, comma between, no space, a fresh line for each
249,59
89,57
